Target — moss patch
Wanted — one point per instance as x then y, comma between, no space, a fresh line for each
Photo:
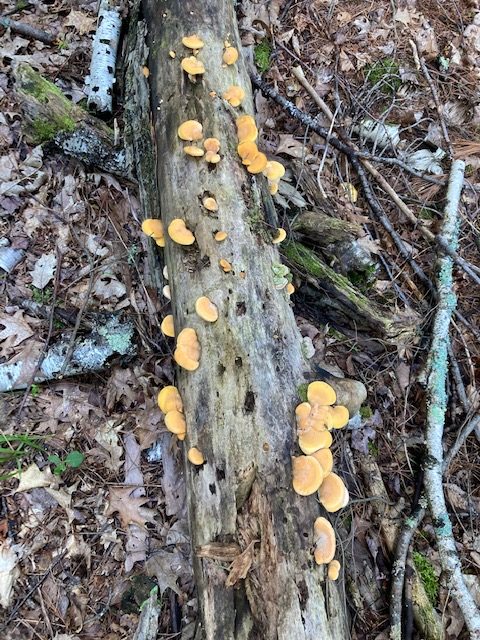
384,73
427,575
261,55
44,130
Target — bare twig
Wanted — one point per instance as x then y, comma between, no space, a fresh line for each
436,403
28,31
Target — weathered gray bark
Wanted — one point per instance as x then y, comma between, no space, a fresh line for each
239,404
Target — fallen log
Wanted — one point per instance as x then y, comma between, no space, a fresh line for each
239,404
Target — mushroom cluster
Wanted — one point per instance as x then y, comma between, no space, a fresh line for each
170,402
191,64
187,353
192,131
313,471
153,227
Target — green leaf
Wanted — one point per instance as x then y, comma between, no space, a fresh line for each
74,459
54,458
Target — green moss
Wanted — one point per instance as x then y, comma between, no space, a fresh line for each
384,73
427,575
373,449
365,412
44,130
261,55
302,391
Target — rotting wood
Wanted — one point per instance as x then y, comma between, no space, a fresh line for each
50,116
239,403
340,303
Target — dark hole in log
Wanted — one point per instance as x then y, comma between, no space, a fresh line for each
238,362
213,489
249,403
303,593
220,473
221,369
241,308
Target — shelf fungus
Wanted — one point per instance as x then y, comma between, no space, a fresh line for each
333,570
193,66
307,475
178,232
234,95
190,130
169,399
187,353
167,327
230,55
195,456
193,42
153,227
210,204
332,493
206,309
325,544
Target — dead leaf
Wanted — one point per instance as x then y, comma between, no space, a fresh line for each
10,555
108,287
33,478
167,568
290,146
16,329
107,437
129,508
44,270
81,21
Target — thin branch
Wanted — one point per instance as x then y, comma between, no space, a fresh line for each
28,31
436,402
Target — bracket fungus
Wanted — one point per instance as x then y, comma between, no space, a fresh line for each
153,227
321,393
290,289
178,232
225,265
325,456
257,165
190,130
274,170
280,237
167,327
220,236
193,66
234,95
333,494
210,204
339,417
212,147
230,55
166,292
206,309
311,441
307,475
191,150
193,42
175,422
187,353
195,456
169,399
333,570
325,544
246,129
247,151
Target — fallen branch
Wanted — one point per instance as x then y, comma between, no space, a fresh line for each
436,403
28,31
104,58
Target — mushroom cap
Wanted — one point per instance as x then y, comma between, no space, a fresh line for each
258,163
234,95
166,292
339,417
290,289
212,144
311,441
182,359
193,42
160,241
212,157
272,187
307,475
220,236
165,272
167,327
321,393
247,151
210,204
188,341
178,232
319,417
206,309
325,544
195,456
169,399
190,130
302,415
324,456
193,66
230,55
246,129
175,422
225,265
191,150
274,170
332,493
333,570
153,227
280,237
181,436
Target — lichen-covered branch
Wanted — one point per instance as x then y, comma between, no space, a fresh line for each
437,366
112,337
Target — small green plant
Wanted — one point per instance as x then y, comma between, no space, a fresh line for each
14,448
35,390
261,55
385,74
62,44
41,296
132,254
366,412
72,461
427,575
302,391
373,449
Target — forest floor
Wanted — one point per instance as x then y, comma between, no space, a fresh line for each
92,510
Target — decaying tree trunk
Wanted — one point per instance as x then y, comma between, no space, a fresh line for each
239,404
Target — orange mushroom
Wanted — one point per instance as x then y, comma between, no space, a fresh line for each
307,475
191,150
167,327
321,393
220,236
258,163
234,95
195,456
280,237
193,42
333,570
178,232
325,544
247,151
193,66
153,227
333,493
274,170
324,456
175,422
225,265
187,353
206,309
210,204
190,130
230,55
246,129
311,441
339,417
169,399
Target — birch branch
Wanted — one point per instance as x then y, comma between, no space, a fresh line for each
437,403
104,58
